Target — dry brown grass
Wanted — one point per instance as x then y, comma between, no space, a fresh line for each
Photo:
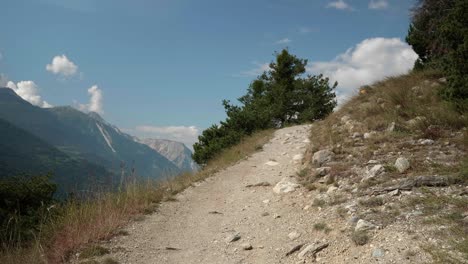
79,224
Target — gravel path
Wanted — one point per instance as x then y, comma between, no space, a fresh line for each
195,228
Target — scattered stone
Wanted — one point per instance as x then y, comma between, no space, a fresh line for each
363,225
266,201
322,156
260,184
394,192
443,80
373,162
246,246
298,157
413,122
311,249
391,127
233,238
354,219
369,135
322,171
378,253
402,164
294,235
306,140
215,212
376,170
426,142
294,249
345,119
285,186
265,214
271,163
356,135
380,100
331,189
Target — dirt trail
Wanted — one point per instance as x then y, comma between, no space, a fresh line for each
199,222
196,228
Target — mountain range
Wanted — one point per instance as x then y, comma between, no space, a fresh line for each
80,149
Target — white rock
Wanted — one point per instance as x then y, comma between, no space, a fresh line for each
376,170
345,119
402,164
306,140
306,250
233,238
363,225
369,135
332,189
391,127
298,157
356,135
246,246
322,156
294,235
285,186
271,163
426,141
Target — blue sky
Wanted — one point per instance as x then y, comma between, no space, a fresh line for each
160,68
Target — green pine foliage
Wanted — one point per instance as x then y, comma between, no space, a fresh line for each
439,35
278,97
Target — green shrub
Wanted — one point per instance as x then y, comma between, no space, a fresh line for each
24,203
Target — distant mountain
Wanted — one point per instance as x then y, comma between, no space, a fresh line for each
23,153
84,137
174,151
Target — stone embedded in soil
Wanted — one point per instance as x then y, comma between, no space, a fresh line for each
322,156
378,253
233,238
402,164
363,225
294,235
271,163
376,170
246,246
306,250
285,186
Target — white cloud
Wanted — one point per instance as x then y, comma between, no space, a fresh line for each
28,90
63,66
369,61
378,4
185,134
258,70
339,4
283,41
95,101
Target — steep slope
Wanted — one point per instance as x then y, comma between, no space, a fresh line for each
174,151
84,136
22,152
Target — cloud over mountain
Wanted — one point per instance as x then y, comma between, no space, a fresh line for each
95,101
29,91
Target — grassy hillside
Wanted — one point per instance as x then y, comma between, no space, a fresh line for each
401,118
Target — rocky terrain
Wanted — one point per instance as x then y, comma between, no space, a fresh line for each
382,180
